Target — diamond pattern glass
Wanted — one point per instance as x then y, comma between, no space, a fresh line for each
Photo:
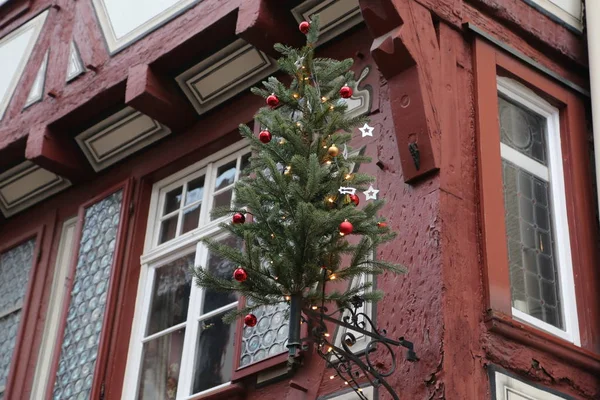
523,130
533,269
88,300
15,265
269,337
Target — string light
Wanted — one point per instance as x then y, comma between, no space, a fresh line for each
326,334
331,377
296,95
288,169
345,382
315,307
282,141
332,277
330,349
272,236
348,177
323,99
328,162
331,108
287,298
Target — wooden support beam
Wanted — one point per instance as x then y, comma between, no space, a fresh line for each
406,51
263,23
56,154
154,96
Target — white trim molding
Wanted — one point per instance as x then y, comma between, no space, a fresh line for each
26,184
226,73
509,388
124,22
336,16
37,88
17,47
51,328
119,136
553,174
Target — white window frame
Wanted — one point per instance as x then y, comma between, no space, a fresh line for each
48,348
506,385
568,11
156,255
555,176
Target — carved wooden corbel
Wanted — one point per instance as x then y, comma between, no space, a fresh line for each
406,50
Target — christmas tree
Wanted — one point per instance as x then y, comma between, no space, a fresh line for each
296,211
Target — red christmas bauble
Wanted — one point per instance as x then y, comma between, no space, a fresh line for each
304,27
264,136
250,320
240,275
346,92
238,218
354,198
382,225
346,228
272,101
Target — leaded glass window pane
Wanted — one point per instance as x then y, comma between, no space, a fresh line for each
269,337
15,266
523,130
533,264
88,299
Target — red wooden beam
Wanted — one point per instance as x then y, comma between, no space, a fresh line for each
154,96
406,51
263,23
57,154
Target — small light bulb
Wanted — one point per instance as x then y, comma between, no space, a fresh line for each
272,235
323,99
298,124
348,177
296,95
346,382
288,298
359,389
332,277
341,234
331,377
328,162
282,141
331,108
326,334
283,217
276,278
314,307
329,350
331,200
325,146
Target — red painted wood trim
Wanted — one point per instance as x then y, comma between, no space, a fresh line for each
107,321
490,61
535,338
13,11
495,258
32,302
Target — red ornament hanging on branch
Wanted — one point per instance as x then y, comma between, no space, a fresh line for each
238,218
382,225
250,320
272,100
264,136
346,92
240,275
354,199
304,27
346,228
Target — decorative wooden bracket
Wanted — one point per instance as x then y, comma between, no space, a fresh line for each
406,51
263,23
56,153
152,95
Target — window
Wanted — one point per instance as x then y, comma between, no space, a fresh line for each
180,346
537,233
124,22
15,265
568,11
506,387
539,280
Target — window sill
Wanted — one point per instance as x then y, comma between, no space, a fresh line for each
519,332
235,391
260,366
